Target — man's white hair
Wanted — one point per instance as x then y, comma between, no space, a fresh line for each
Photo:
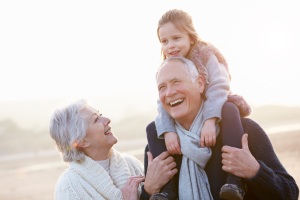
67,128
189,66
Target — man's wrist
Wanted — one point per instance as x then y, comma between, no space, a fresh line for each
255,170
150,190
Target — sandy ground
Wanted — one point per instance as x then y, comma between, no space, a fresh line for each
35,178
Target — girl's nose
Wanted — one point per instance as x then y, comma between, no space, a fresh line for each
171,45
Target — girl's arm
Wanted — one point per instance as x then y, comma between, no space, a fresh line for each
217,90
163,121
166,130
216,94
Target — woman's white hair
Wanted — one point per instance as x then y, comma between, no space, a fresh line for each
189,66
67,128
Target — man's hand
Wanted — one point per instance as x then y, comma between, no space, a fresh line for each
208,133
130,189
240,162
172,143
159,172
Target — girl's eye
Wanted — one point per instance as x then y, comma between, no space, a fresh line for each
164,41
177,38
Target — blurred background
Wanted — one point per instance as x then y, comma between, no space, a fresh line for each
108,52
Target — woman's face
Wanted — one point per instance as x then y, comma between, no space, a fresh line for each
99,132
174,42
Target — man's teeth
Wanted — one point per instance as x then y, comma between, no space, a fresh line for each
177,101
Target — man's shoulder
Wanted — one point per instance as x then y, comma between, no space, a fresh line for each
251,127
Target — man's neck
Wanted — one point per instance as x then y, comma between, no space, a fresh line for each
187,122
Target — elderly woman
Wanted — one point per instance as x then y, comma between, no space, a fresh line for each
97,171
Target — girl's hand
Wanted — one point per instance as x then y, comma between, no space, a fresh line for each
130,189
208,133
172,143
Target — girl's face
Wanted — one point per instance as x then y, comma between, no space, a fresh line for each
174,42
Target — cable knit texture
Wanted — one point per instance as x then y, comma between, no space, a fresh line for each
200,56
89,180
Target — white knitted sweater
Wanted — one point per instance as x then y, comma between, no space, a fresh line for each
89,180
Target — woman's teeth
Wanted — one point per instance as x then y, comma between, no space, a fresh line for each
107,132
176,102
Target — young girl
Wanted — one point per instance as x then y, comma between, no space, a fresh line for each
179,38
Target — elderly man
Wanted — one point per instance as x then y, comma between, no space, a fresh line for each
256,162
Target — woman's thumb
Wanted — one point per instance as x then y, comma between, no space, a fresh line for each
245,142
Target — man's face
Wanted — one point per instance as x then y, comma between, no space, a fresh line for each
180,97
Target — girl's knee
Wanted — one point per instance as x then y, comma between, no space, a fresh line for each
151,130
230,110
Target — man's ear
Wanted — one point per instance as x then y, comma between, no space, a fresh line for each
200,83
83,144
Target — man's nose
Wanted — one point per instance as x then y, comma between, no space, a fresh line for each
170,92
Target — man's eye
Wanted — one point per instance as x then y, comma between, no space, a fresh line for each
161,88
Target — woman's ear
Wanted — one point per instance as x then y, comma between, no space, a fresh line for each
83,144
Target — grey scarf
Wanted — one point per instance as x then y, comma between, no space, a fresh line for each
193,182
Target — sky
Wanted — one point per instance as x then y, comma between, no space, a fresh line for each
99,48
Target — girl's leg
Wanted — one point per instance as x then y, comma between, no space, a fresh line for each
232,132
156,147
232,129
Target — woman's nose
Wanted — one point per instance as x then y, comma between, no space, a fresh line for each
106,121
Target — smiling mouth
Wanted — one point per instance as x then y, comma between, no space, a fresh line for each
176,102
174,53
107,132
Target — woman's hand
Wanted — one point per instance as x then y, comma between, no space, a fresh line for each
172,143
130,189
208,133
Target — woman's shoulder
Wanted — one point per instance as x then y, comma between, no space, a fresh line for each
63,181
130,158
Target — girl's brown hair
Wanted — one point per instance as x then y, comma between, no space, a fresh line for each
182,21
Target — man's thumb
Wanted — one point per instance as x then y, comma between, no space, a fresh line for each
245,142
150,157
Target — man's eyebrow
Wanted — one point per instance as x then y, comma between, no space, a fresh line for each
173,79
160,84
